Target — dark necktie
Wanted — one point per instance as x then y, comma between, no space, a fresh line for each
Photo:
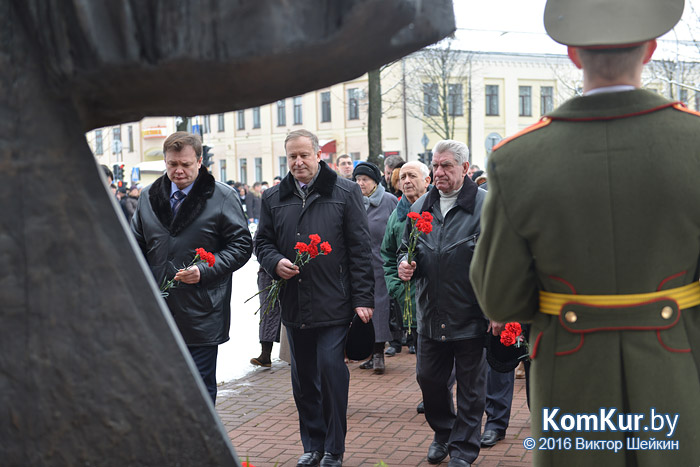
179,196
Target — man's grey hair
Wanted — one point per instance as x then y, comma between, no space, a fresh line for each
303,134
457,148
393,161
424,170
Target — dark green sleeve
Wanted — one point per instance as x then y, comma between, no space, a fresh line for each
502,271
390,246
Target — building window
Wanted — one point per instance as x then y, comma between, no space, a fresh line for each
326,106
99,150
130,134
243,170
258,169
355,156
220,117
546,99
283,166
281,113
431,105
116,140
222,170
684,96
492,99
207,124
455,100
297,110
256,117
353,104
525,101
241,119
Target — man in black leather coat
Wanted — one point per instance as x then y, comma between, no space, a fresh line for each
451,326
169,230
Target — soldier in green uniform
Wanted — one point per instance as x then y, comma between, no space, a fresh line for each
599,248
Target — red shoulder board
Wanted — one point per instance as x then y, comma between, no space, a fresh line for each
544,121
681,106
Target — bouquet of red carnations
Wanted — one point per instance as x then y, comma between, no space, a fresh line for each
305,253
420,224
513,335
201,256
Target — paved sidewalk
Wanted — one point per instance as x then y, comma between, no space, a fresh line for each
260,417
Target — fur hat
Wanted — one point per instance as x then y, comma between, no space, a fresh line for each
368,169
359,342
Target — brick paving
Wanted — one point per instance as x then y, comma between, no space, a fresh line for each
260,417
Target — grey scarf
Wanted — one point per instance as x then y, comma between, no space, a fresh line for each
375,198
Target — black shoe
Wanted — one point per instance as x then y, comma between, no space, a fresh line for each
332,460
437,452
390,351
421,407
457,462
368,365
491,437
378,363
412,349
309,459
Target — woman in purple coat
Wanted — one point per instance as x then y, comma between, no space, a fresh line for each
379,205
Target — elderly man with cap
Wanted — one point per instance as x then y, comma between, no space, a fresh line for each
606,271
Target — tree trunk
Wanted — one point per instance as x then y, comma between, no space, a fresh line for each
374,120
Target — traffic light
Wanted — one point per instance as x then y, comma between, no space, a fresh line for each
118,172
206,156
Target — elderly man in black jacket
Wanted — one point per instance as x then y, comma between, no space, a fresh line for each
319,300
451,326
181,211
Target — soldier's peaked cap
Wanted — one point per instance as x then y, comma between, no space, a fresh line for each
610,23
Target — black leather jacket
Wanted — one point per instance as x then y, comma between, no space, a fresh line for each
447,309
211,217
329,288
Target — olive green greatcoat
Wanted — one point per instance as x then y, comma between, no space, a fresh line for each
604,198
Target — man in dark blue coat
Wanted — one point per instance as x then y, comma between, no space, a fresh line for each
318,301
181,211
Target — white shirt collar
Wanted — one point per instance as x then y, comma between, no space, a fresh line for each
606,89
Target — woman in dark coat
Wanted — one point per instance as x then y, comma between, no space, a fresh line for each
379,205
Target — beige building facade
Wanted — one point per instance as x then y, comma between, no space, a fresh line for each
493,96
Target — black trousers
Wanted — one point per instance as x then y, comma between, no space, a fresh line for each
435,359
205,359
499,398
320,383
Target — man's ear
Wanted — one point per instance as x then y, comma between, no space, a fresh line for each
650,48
573,55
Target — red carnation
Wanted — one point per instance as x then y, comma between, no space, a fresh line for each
507,338
424,226
312,250
326,248
315,239
514,328
426,216
413,215
301,247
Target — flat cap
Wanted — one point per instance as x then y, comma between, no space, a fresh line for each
610,23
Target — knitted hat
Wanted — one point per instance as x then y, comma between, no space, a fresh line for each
368,169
